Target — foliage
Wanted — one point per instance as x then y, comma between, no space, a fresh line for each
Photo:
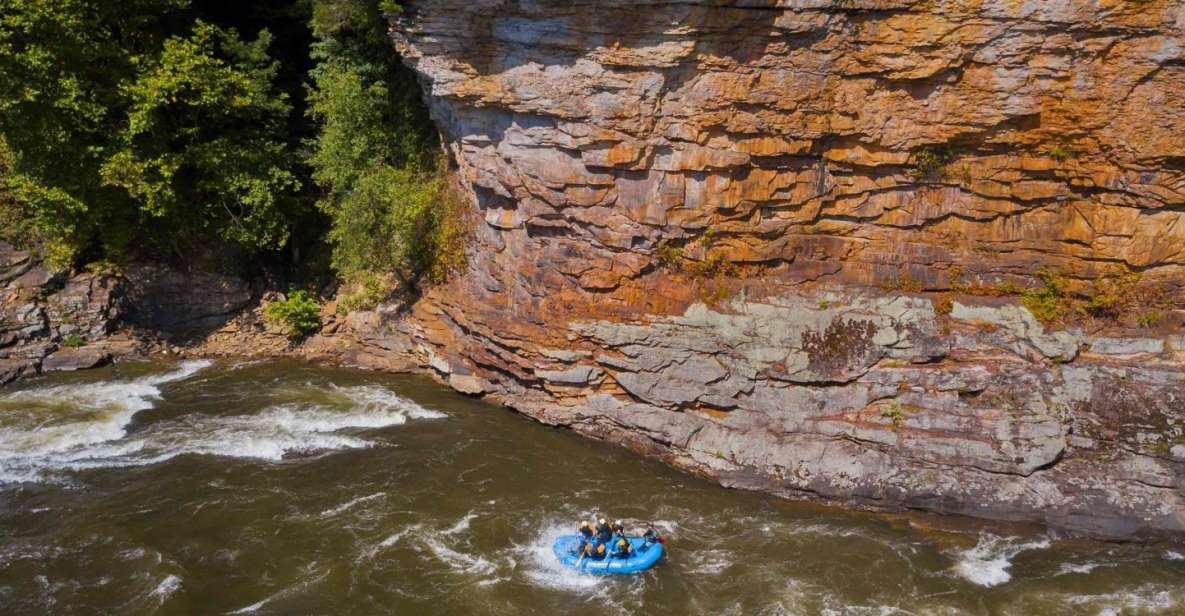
369,291
298,314
669,254
130,123
1048,302
205,125
385,187
1111,293
1149,318
73,341
713,265
929,164
894,414
1060,153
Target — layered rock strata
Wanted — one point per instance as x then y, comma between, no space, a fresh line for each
714,231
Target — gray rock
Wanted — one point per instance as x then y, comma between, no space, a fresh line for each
1125,346
67,360
576,375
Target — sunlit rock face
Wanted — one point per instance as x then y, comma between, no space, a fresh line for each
717,232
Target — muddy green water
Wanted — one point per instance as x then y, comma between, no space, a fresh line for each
285,488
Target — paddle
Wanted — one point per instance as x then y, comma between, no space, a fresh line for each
583,552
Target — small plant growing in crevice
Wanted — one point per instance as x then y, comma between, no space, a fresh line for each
894,414
1149,319
1060,153
73,341
715,264
903,283
298,314
929,164
1048,302
1111,293
944,305
669,255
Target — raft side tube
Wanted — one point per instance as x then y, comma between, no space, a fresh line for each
644,557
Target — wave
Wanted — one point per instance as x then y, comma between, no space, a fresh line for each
542,568
60,421
328,513
167,587
1080,568
987,563
97,436
1145,600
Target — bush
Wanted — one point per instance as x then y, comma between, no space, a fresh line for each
893,413
73,341
1060,153
298,313
1112,293
369,291
669,254
929,164
1149,319
385,186
1047,302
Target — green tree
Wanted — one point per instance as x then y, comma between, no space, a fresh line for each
130,124
203,148
375,155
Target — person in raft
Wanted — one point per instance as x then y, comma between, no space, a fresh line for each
604,532
605,541
594,543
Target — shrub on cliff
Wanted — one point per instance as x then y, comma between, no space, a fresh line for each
298,313
375,155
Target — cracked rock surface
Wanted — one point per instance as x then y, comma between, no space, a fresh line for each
702,226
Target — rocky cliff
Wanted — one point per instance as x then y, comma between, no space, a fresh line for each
785,243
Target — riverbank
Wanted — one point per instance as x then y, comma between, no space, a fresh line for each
274,486
837,395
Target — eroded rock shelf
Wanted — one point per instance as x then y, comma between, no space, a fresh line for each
716,232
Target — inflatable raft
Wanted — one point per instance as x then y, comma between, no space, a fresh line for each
644,557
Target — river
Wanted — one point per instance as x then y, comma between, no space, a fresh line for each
286,488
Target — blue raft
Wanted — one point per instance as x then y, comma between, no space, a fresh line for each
645,555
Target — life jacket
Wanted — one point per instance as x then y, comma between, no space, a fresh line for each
622,547
604,533
599,552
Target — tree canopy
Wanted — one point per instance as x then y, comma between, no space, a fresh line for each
150,128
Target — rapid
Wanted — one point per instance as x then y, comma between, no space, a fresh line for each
277,487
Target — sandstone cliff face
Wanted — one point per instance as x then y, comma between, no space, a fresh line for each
716,231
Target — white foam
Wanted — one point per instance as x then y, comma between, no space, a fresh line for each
328,513
987,563
59,423
272,434
1171,555
459,561
1079,568
167,587
543,569
462,525
385,543
710,562
1144,600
